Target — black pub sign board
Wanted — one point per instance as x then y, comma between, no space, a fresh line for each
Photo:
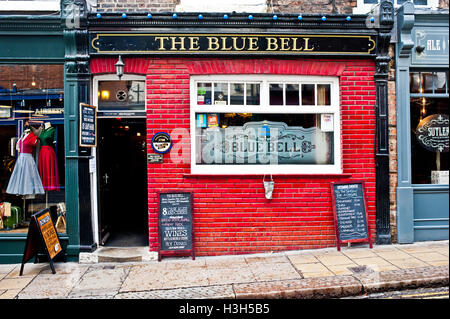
175,224
350,212
228,43
88,125
42,234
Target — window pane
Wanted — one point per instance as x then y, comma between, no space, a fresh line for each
427,162
440,82
204,93
237,93
121,95
427,82
292,94
221,93
415,82
276,94
308,97
265,139
253,94
323,94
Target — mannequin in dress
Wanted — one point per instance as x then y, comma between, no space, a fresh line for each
47,163
25,179
26,132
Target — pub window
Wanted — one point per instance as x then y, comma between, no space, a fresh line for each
265,124
121,95
31,145
430,127
241,93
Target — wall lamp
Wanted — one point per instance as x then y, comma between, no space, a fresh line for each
119,67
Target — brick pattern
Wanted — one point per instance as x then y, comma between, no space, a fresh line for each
45,76
393,158
231,213
317,6
392,122
278,6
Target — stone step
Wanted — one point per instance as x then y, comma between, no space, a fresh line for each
118,255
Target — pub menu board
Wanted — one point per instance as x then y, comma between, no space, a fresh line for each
350,214
88,125
41,234
175,224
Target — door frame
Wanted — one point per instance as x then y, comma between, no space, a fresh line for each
93,162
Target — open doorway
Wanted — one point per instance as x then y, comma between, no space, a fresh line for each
122,182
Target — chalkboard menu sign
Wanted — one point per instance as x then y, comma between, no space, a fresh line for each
176,229
41,235
350,214
88,125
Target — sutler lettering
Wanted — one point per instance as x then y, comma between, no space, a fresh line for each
438,131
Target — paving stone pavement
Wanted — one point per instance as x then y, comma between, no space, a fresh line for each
321,273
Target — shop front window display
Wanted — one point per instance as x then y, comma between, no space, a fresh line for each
268,124
430,127
31,145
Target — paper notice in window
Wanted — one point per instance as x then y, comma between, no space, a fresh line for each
326,123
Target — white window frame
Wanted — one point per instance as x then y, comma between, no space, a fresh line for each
113,77
363,8
265,108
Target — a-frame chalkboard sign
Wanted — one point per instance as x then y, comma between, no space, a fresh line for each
41,233
350,212
175,224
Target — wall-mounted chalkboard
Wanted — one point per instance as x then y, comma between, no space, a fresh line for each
175,224
350,213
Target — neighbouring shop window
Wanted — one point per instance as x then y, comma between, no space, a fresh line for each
430,127
31,145
266,123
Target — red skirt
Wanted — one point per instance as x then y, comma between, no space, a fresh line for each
48,168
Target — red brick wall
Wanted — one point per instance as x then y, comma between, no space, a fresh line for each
231,213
